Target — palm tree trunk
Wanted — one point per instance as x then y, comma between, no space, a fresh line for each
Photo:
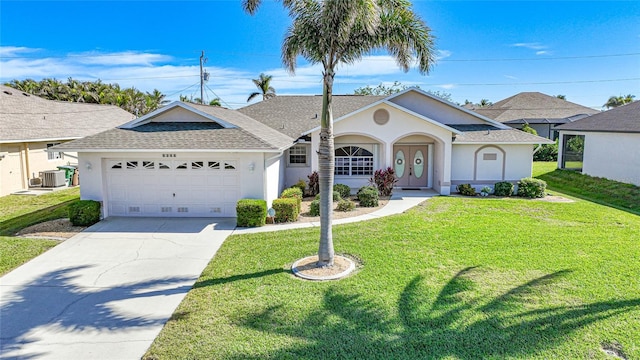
325,173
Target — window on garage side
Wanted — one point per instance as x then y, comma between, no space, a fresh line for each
298,156
54,155
353,161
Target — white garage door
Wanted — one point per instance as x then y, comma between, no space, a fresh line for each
185,188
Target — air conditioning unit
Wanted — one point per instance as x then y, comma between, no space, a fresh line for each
53,178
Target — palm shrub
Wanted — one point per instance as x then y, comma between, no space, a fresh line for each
336,196
503,188
293,193
344,190
84,212
314,183
286,210
531,188
368,196
384,180
346,205
251,212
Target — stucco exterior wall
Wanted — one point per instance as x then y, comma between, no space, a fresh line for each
614,156
24,161
435,110
502,163
93,167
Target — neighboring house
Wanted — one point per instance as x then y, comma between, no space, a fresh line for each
541,112
195,160
604,145
30,124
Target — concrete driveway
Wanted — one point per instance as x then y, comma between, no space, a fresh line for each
106,292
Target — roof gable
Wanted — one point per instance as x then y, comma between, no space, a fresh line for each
177,112
625,119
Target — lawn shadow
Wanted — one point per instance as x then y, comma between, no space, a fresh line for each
452,323
224,280
53,301
11,226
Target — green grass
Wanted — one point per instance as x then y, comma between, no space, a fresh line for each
454,278
599,190
15,251
20,211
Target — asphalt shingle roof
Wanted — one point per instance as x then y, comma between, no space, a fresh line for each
248,135
500,136
25,117
294,115
533,105
624,119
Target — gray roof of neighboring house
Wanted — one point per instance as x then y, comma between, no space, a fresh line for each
624,119
533,105
247,135
500,136
26,117
294,115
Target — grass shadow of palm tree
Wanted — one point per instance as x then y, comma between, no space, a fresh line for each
452,324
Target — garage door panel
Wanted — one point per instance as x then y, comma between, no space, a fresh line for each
179,188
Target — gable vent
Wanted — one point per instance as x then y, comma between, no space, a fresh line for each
134,209
165,209
183,209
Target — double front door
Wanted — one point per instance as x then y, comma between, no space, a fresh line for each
410,165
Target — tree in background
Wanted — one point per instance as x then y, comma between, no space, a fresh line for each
92,92
341,32
396,87
263,83
561,97
616,101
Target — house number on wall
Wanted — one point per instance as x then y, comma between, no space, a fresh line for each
168,155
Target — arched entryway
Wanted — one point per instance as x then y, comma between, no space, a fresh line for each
413,161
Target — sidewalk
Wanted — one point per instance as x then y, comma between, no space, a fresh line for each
401,201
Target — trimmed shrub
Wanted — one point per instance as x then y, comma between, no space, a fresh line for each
251,212
346,205
336,196
368,196
466,189
503,188
314,183
301,185
84,212
293,193
531,188
314,210
384,180
344,190
286,210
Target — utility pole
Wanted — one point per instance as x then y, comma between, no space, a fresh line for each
202,61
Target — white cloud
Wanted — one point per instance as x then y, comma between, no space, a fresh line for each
543,52
511,77
531,45
446,86
12,51
119,58
443,54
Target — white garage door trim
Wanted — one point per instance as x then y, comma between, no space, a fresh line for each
173,188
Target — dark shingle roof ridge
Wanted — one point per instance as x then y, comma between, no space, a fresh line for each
625,118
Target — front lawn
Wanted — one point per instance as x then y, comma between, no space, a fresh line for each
15,251
603,191
455,278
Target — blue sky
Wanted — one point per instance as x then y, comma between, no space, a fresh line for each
586,50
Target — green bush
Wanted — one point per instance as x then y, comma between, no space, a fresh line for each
503,188
293,193
314,210
368,196
531,188
301,185
344,190
336,196
251,212
286,210
346,205
84,212
466,189
548,152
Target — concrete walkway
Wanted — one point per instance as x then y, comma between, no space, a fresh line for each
107,292
401,201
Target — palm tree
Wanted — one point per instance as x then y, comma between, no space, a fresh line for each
341,32
485,103
616,101
264,84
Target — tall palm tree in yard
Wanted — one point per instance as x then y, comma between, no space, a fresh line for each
263,83
339,32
